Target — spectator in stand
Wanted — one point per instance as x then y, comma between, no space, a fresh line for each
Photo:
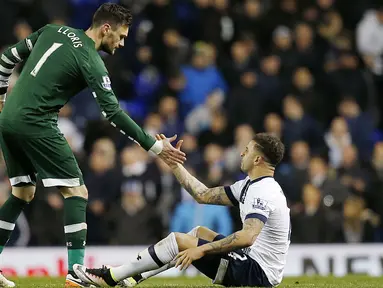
49,208
241,61
282,46
333,192
361,126
273,124
101,175
190,147
175,85
153,124
137,168
369,41
172,52
218,26
200,118
135,213
293,175
202,77
159,16
313,223
250,19
270,83
350,172
359,224
330,21
246,102
212,170
337,139
374,191
170,196
218,133
169,113
285,13
308,54
348,79
298,125
308,93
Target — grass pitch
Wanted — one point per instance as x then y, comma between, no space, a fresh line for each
299,282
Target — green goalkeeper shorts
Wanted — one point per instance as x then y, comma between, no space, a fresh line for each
51,158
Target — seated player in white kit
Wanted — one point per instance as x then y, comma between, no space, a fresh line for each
254,256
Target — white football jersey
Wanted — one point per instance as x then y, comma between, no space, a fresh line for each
263,199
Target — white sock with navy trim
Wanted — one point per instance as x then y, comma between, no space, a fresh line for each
151,258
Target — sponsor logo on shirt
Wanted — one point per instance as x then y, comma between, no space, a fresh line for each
259,204
106,83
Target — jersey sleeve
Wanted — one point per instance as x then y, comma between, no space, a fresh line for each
14,55
98,80
233,191
258,205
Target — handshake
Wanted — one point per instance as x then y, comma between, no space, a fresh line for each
173,156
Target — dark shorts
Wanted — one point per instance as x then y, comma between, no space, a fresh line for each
49,157
236,268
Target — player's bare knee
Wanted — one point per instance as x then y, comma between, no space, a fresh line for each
206,233
26,193
199,230
79,191
185,241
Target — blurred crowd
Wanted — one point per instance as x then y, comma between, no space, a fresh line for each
215,72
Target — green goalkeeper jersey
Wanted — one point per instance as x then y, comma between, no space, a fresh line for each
60,62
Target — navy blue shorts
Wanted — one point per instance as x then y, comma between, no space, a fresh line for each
242,270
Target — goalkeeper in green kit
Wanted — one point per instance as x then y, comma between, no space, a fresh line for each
60,62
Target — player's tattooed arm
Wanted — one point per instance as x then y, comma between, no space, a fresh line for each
198,190
240,239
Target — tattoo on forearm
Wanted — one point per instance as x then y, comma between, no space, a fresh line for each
251,229
199,191
225,245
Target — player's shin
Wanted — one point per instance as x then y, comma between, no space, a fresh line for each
147,275
75,229
155,256
9,213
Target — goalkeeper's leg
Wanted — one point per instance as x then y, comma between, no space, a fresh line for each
9,213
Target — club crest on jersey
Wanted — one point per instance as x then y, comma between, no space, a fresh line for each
106,83
259,204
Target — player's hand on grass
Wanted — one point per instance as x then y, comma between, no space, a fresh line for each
171,155
185,258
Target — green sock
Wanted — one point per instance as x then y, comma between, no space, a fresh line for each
75,229
9,213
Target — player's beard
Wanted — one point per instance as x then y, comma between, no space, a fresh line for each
243,167
107,49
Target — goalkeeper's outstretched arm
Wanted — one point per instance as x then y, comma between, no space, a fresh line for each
97,77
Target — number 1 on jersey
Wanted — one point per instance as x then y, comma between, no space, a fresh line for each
44,58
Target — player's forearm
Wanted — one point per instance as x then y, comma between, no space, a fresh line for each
237,240
131,129
191,184
199,191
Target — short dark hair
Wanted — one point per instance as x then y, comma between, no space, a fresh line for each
270,146
113,14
